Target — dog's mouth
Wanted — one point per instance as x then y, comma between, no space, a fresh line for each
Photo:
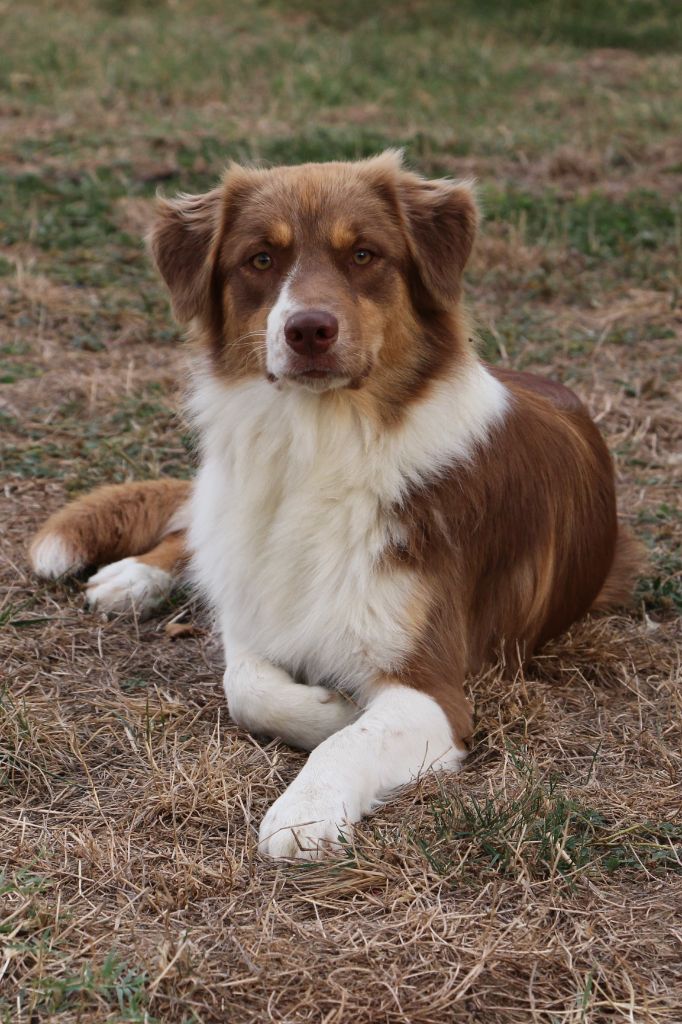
318,374
314,379
315,374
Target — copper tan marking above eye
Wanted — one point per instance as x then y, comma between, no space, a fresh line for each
281,234
342,235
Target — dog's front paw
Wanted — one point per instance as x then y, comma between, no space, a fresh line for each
306,824
128,585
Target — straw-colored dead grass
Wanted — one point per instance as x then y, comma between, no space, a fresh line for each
544,883
129,823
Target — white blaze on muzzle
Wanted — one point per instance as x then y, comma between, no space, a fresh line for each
278,352
285,359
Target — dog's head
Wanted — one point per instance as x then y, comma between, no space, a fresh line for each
322,275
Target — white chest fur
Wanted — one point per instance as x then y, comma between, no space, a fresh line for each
292,513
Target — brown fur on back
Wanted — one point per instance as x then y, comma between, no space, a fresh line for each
629,554
515,545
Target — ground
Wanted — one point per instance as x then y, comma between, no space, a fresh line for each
544,882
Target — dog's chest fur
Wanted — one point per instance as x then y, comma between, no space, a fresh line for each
294,507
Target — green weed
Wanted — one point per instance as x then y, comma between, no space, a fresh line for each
111,984
539,831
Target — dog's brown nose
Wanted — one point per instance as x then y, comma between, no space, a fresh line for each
311,332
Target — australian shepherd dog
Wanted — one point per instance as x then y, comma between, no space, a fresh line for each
377,512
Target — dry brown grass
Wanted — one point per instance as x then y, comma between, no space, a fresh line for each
129,821
544,883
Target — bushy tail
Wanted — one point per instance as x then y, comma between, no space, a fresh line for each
629,562
110,523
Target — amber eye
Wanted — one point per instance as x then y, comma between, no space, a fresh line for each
261,261
362,257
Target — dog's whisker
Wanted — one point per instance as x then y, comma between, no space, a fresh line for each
245,337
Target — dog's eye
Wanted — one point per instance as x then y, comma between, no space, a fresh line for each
361,257
261,261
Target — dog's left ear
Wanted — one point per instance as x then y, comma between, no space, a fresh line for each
441,219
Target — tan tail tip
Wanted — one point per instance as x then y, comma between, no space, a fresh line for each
52,556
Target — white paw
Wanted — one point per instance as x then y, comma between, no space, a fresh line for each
263,699
255,689
306,825
128,585
53,556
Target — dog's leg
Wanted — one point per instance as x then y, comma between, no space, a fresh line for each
265,699
140,583
402,734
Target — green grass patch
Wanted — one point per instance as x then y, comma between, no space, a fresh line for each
642,25
661,590
72,220
596,225
26,921
538,830
10,373
22,884
141,438
647,26
111,985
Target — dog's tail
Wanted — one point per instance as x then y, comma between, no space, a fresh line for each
108,524
629,562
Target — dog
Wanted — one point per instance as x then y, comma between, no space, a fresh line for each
377,513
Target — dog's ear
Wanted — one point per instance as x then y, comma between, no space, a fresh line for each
182,242
441,219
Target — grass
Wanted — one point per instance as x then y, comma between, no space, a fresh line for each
111,985
29,934
595,225
538,832
543,883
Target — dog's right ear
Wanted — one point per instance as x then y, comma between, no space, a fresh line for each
182,241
